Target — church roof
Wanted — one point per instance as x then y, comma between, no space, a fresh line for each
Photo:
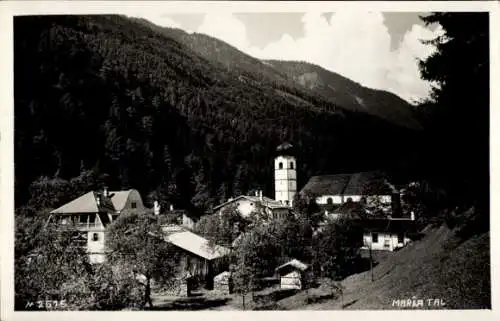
361,183
285,149
284,146
326,184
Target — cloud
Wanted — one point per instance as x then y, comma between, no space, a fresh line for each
354,44
158,18
226,27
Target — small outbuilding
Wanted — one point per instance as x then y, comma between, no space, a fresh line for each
223,283
293,275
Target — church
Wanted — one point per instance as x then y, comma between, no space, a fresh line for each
330,192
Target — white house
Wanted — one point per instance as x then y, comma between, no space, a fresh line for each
285,185
387,234
246,205
92,212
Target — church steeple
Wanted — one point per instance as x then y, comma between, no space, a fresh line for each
285,174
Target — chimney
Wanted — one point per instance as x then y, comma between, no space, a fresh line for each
156,208
257,193
412,215
98,200
260,195
171,207
105,191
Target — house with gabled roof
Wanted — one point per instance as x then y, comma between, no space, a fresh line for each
92,212
248,205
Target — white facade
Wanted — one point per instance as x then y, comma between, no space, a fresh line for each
96,246
285,179
340,199
354,198
384,240
384,199
329,199
246,206
292,280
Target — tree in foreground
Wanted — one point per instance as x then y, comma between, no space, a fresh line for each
139,253
336,247
458,110
46,257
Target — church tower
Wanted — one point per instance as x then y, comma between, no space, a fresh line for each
285,174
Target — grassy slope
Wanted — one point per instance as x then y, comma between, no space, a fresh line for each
438,266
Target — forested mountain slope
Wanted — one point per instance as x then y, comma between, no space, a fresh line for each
350,94
343,92
114,96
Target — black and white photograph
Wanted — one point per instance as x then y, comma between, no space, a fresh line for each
235,157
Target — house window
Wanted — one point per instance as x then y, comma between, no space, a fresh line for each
375,237
280,165
291,165
329,200
133,205
401,238
95,237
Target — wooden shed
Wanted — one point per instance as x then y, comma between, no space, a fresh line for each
198,258
293,275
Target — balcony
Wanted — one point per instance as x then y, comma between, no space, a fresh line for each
87,226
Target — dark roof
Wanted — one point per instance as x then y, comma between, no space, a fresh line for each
368,182
348,184
286,149
326,184
284,146
387,225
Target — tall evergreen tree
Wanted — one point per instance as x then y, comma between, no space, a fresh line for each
458,110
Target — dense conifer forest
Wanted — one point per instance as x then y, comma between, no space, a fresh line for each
112,100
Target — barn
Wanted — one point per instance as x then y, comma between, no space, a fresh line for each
199,259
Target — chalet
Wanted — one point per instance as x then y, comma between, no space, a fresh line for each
246,205
92,212
198,258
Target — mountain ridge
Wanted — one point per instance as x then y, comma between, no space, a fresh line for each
340,90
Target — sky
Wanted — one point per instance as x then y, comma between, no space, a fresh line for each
379,50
